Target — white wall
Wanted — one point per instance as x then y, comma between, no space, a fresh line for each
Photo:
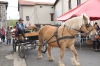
42,15
74,3
28,11
58,10
82,1
65,7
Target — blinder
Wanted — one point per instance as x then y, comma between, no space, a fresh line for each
87,25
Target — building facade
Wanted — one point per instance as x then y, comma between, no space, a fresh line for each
36,12
63,6
3,13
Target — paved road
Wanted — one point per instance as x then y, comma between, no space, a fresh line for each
10,58
5,55
87,57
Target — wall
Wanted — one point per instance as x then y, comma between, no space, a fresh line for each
58,10
42,15
3,18
82,1
27,11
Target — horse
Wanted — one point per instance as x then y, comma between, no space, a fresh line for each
64,36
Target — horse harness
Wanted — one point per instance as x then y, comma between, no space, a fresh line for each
58,38
64,37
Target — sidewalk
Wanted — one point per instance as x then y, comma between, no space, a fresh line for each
6,58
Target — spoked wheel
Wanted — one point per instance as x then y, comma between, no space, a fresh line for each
34,45
44,48
14,45
21,51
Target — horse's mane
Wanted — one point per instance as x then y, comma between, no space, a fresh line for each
76,22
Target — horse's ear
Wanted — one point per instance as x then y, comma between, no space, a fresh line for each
84,17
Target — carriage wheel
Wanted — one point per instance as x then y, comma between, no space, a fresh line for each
22,51
44,48
34,44
14,45
19,49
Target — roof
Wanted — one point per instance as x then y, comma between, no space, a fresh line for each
90,8
44,3
4,2
23,2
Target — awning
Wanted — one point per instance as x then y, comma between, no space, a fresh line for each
91,8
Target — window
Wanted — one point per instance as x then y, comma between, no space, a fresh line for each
51,7
27,18
40,6
0,20
69,4
3,20
52,16
0,16
78,2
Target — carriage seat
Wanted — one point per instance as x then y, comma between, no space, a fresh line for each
31,27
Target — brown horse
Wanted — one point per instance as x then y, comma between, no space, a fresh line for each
65,36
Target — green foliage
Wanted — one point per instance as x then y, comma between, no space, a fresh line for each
11,22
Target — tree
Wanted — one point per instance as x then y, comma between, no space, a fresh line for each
11,22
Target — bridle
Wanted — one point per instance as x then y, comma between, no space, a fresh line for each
86,25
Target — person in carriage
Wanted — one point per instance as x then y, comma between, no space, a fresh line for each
21,27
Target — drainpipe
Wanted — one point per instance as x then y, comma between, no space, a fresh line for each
21,11
62,5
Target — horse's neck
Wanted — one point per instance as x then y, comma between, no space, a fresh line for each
69,31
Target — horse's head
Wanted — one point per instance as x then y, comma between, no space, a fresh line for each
87,27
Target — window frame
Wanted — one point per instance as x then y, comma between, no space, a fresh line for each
27,18
78,2
52,16
69,4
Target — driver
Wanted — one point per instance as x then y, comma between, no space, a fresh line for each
21,27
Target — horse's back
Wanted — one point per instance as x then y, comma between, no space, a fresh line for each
47,31
46,27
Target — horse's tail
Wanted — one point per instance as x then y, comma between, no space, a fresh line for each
42,33
40,36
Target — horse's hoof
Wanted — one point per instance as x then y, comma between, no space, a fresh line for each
74,62
78,64
39,57
61,64
51,59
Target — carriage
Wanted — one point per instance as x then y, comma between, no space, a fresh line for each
31,42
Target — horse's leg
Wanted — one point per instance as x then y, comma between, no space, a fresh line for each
62,49
75,60
49,54
40,47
